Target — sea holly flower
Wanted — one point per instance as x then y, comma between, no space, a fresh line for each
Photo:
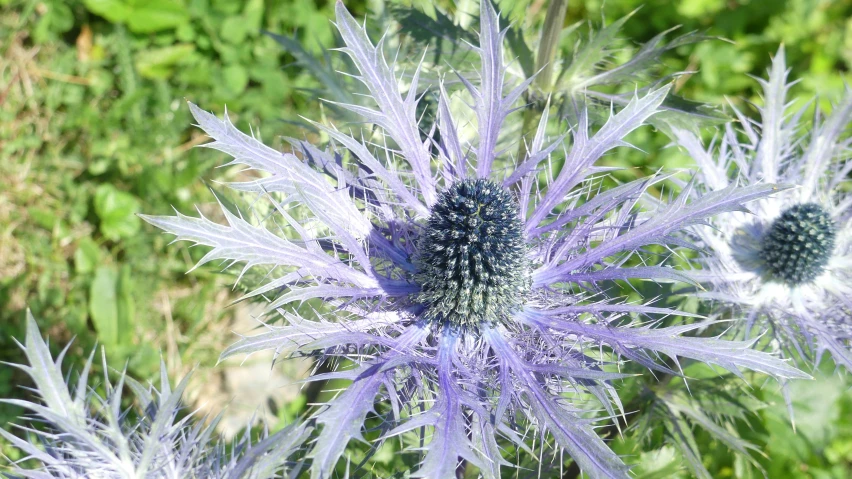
469,300
787,264
83,434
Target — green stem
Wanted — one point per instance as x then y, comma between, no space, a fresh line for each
549,42
547,47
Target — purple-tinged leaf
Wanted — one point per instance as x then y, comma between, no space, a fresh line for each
824,147
290,175
585,152
397,115
342,420
343,417
636,342
449,439
653,273
301,332
603,202
450,137
712,168
659,226
490,110
775,131
241,241
95,436
369,160
576,435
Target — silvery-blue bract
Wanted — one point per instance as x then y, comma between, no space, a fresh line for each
787,264
81,434
469,297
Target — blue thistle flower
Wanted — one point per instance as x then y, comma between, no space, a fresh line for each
470,295
797,246
788,263
83,434
471,256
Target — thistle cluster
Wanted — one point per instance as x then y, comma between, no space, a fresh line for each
473,298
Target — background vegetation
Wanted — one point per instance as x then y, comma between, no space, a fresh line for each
93,129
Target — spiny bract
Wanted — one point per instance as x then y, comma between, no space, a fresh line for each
85,434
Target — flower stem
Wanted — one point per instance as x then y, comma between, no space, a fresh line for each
547,47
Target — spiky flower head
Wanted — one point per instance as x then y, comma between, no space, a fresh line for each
470,296
82,434
797,246
471,256
786,264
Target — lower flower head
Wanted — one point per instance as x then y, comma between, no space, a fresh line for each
799,244
470,255
786,264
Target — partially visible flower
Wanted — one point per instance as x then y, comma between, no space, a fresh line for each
79,434
786,264
472,299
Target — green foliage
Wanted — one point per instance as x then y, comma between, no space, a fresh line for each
93,130
816,33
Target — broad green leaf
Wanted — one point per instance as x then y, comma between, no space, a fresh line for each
116,11
185,32
253,15
125,306
43,217
103,305
663,463
816,409
160,63
141,16
155,15
235,29
87,256
58,19
117,212
98,166
236,78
